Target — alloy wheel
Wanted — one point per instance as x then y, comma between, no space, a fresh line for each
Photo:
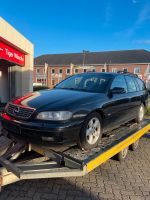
141,113
93,131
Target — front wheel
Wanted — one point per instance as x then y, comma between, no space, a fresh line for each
91,132
140,114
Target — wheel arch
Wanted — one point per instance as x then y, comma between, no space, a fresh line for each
101,113
144,103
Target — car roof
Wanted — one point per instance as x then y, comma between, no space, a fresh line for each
113,74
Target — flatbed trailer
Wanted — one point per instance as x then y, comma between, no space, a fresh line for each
20,160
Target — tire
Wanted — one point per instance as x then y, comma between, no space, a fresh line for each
140,114
91,132
122,154
134,146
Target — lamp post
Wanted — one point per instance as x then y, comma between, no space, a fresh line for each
84,56
45,72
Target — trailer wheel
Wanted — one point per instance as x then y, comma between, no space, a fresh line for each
122,154
134,146
91,132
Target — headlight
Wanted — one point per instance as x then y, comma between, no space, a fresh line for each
54,115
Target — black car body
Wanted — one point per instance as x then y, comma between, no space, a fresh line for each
116,97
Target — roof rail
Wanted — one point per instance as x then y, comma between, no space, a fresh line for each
126,72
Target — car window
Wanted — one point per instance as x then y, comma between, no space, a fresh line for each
86,82
119,81
131,84
71,83
141,84
137,85
90,81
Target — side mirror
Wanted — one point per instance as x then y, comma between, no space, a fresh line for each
118,90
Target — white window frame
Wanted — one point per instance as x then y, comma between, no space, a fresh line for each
67,72
59,70
40,80
52,71
102,69
37,70
138,69
75,71
148,71
124,69
114,70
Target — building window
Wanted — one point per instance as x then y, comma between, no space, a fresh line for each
84,70
39,80
137,70
93,70
148,70
67,71
103,70
53,71
53,82
38,71
59,80
75,71
114,70
60,71
125,69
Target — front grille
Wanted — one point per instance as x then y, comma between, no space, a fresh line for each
19,112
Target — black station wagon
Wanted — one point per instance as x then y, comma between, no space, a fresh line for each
78,110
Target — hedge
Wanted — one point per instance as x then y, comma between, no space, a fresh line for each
40,87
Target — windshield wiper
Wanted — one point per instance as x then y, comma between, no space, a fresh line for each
68,88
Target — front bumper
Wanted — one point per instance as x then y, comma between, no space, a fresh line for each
44,133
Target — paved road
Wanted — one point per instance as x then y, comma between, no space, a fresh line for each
129,180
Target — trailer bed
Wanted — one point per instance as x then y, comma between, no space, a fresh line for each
29,161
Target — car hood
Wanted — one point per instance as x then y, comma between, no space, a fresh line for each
57,99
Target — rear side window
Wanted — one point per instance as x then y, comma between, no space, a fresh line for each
137,85
130,84
119,81
140,84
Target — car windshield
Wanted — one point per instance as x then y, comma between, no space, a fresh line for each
86,82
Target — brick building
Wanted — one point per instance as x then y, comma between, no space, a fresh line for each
50,69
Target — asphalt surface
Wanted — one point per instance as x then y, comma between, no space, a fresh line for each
127,180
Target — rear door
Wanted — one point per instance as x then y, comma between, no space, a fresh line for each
117,107
142,91
134,96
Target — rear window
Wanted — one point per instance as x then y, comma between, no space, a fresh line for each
140,84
